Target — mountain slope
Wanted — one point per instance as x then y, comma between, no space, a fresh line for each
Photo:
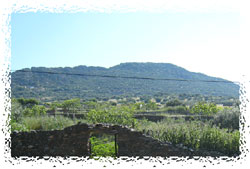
61,86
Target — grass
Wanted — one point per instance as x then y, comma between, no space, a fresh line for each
221,134
193,134
46,122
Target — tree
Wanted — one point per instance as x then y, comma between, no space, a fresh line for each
53,107
151,105
175,102
16,110
90,105
204,108
93,100
71,106
139,105
35,111
27,102
123,115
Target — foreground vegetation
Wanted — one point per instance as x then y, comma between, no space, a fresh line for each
220,133
103,146
193,134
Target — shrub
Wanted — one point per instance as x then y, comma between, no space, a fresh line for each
175,102
34,111
102,147
204,108
16,110
27,102
151,105
227,118
17,126
114,115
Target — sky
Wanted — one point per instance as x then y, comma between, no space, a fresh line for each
199,42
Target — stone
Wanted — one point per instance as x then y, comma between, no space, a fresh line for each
74,141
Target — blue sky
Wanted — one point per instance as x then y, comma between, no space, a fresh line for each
199,42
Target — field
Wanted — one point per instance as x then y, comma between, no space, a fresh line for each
199,126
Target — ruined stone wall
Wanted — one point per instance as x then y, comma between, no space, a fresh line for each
156,118
74,141
134,143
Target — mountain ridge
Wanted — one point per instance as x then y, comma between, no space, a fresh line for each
30,84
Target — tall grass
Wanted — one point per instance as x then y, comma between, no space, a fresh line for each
193,134
46,122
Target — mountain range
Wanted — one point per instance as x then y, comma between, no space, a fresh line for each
98,82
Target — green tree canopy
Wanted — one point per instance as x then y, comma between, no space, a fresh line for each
204,108
175,102
71,106
28,102
151,105
36,110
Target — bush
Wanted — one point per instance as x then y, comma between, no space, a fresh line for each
205,108
113,115
227,118
151,105
17,126
16,110
174,103
102,147
34,111
27,102
178,109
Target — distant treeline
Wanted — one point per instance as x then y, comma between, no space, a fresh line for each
60,86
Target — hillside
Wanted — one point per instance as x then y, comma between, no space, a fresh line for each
61,86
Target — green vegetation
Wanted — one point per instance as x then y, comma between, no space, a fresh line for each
175,102
54,87
205,108
218,133
71,106
193,134
41,123
151,106
46,123
33,117
227,118
27,102
36,110
103,146
121,116
52,101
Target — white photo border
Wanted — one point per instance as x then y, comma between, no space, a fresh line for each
109,6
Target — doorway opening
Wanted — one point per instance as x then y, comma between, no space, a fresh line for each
103,145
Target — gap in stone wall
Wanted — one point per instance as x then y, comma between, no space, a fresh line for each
102,144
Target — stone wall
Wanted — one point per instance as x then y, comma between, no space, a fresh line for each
133,143
74,141
156,118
